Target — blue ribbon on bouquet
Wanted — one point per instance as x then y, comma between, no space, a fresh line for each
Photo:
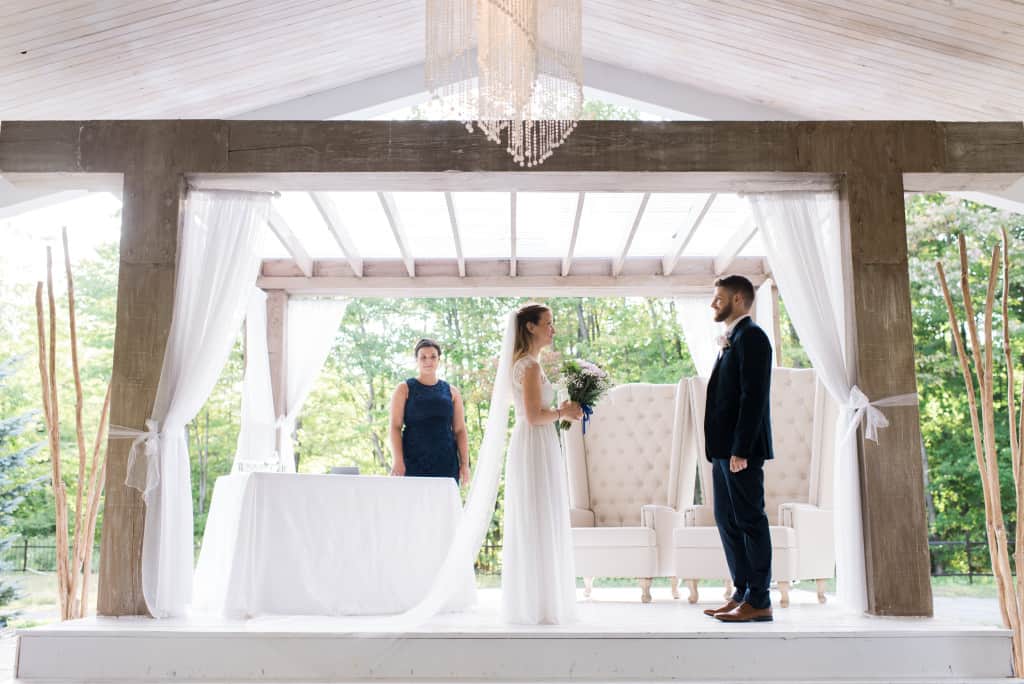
587,412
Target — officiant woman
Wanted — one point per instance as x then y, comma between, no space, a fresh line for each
428,426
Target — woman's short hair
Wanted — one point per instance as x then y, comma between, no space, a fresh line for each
423,343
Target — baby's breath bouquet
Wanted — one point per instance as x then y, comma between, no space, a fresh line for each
585,383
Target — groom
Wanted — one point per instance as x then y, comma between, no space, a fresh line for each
738,440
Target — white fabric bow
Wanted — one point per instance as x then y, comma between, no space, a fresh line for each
870,412
143,477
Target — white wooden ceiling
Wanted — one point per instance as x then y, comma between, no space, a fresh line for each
818,59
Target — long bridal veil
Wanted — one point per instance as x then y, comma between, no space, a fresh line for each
483,491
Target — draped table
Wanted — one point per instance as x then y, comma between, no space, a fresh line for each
298,544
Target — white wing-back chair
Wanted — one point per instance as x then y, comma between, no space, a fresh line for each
798,490
628,483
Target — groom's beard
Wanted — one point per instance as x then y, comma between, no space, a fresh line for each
723,313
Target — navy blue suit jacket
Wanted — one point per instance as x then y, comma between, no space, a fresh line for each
737,419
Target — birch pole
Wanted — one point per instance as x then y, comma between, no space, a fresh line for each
1011,593
74,556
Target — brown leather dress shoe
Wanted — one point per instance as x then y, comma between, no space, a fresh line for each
746,613
710,612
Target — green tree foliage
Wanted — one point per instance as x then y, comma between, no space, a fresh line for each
16,446
957,509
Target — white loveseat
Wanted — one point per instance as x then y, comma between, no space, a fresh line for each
798,490
630,476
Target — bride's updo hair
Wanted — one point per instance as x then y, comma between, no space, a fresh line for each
528,313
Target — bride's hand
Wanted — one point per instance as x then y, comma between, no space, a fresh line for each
570,410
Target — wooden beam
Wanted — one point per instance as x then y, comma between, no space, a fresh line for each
722,150
455,233
776,314
152,157
567,261
490,277
881,346
277,351
332,217
744,233
387,202
628,240
520,181
291,242
683,236
512,243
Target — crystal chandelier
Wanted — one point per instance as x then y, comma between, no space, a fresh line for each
512,67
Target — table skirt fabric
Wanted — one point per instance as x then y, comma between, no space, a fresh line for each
298,544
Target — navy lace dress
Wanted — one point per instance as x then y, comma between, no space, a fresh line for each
428,441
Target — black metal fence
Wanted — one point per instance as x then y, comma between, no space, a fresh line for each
949,558
961,558
38,556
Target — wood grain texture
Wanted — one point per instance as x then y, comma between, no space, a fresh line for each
152,158
892,480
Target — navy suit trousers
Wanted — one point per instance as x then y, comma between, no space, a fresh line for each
743,526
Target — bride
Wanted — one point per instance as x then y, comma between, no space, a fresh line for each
537,580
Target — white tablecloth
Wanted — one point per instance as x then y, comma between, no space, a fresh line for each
296,544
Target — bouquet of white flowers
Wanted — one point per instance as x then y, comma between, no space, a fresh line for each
585,383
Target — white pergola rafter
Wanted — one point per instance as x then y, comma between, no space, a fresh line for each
291,242
332,217
455,233
490,277
739,239
387,203
567,261
683,236
512,227
620,260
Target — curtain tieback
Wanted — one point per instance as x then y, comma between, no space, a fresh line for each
870,412
142,476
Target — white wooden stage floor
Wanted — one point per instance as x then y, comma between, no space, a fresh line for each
616,639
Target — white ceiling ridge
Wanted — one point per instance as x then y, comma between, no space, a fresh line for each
377,95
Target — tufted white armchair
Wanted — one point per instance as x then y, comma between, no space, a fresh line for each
628,483
798,489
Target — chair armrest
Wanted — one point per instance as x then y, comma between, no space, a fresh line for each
580,517
662,519
700,515
815,538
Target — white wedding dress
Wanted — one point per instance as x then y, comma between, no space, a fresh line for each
538,581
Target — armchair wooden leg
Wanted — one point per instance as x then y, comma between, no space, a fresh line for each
730,589
691,584
821,590
588,586
784,590
675,587
645,589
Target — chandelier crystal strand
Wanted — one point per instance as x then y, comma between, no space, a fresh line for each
514,67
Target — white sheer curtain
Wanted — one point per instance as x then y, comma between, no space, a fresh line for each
764,315
257,435
218,262
803,243
700,330
312,327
